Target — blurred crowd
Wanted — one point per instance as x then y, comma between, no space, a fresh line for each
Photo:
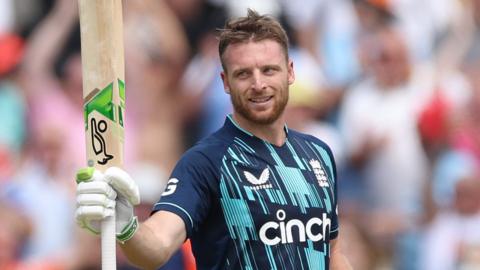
393,86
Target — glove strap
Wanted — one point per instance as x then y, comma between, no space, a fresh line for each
128,231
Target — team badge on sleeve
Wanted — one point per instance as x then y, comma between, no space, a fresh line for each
171,186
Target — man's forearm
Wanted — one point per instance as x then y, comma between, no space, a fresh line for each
340,262
145,249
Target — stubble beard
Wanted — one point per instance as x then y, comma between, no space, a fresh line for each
255,117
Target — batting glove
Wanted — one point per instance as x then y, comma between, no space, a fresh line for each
103,195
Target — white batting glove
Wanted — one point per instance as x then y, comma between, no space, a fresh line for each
101,195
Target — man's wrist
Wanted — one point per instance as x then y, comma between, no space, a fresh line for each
128,232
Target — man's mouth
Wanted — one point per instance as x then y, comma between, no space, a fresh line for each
260,99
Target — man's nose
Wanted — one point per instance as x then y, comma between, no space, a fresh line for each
258,81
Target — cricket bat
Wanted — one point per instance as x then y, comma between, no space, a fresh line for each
103,70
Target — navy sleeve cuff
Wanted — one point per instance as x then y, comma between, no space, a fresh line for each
179,211
334,233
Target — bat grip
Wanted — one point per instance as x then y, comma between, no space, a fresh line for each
109,261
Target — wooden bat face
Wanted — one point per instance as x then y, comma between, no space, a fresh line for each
104,113
103,70
103,86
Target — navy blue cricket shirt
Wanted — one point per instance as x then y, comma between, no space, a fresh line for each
248,204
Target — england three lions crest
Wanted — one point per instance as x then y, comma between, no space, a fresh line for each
319,173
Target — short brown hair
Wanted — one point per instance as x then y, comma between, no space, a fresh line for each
253,27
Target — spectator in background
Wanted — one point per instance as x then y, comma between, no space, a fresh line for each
156,54
452,240
326,29
12,106
55,128
202,108
156,51
465,133
43,87
420,23
14,231
378,124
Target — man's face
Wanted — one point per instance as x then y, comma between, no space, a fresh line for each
385,56
257,77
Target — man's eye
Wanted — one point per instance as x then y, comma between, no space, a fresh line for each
269,71
242,74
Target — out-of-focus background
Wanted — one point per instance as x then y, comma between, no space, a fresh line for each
393,86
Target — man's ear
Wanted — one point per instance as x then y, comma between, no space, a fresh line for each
226,86
291,72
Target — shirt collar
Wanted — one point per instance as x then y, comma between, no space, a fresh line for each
230,122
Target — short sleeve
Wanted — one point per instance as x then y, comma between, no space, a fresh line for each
188,193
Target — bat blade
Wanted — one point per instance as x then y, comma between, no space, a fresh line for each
103,70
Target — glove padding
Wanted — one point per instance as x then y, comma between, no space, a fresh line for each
101,195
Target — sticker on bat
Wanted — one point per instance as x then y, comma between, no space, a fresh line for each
98,141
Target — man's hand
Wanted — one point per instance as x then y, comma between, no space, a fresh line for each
102,195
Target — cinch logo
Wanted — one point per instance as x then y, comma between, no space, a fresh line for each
282,231
171,187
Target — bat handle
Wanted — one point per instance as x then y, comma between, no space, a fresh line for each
109,261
